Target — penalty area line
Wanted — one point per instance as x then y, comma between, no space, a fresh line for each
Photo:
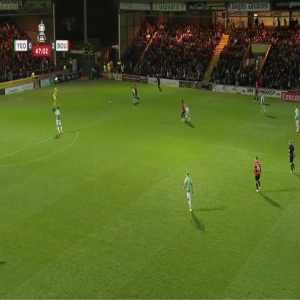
45,157
28,146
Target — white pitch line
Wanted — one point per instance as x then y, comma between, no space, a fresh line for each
45,157
28,146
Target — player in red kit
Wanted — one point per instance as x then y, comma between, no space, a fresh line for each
257,173
257,86
183,110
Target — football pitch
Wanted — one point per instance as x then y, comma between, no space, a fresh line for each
101,212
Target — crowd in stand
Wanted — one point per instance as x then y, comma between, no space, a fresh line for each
231,69
282,69
134,52
15,65
237,65
172,51
183,52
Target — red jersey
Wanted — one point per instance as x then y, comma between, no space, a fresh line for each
257,168
257,84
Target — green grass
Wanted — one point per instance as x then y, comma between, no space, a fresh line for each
101,212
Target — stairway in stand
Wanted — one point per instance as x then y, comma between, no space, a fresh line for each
216,56
148,46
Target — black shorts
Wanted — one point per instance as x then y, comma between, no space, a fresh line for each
257,177
291,159
183,114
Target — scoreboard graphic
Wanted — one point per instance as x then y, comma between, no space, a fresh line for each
42,48
21,45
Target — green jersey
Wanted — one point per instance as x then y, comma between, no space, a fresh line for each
188,184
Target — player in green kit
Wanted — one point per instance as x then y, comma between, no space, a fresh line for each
188,116
262,103
135,95
58,121
188,186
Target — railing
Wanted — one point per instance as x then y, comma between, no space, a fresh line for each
264,61
148,45
246,55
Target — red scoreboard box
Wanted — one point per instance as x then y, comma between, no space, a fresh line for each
41,50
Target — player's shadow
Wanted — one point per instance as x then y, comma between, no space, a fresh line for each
297,175
283,190
270,200
2,263
198,224
271,117
190,124
209,209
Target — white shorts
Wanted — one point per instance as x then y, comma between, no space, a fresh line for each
189,196
58,123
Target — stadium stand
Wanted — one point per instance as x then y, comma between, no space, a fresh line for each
282,70
235,67
183,52
282,67
173,51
